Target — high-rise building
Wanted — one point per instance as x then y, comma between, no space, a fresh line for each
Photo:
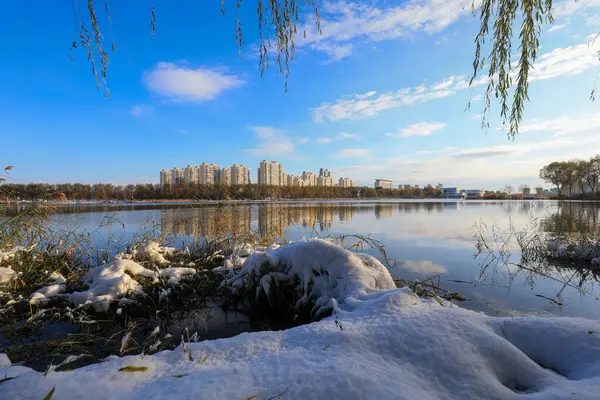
325,172
166,178
270,173
345,182
177,175
190,175
225,176
209,174
310,178
240,175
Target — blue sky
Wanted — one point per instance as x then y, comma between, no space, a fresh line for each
380,94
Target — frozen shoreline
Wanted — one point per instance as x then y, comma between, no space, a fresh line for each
380,343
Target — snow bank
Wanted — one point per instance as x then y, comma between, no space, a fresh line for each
330,276
57,285
392,345
154,252
109,282
112,281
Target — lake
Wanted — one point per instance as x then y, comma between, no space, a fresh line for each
425,238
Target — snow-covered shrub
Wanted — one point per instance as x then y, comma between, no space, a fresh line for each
324,275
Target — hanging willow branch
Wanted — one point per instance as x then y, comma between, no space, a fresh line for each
500,16
277,28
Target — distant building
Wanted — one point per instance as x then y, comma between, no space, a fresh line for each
191,175
225,176
270,173
383,184
452,193
240,175
345,182
177,175
209,174
165,177
310,178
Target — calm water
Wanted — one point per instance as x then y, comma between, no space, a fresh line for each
425,237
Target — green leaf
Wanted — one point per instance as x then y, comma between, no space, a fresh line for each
50,394
131,368
326,347
179,376
202,361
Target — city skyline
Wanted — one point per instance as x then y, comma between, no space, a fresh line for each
370,103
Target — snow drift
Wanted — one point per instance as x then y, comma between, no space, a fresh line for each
329,276
393,345
381,343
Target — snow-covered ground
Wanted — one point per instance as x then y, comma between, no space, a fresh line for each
381,343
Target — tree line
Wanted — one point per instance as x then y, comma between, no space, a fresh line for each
184,191
575,178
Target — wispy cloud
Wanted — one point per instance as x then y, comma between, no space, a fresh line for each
183,132
476,116
344,23
179,83
352,153
272,142
302,140
419,129
568,7
341,136
562,125
140,110
565,61
555,28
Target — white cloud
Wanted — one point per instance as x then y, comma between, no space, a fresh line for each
476,116
475,98
555,28
419,129
324,140
335,52
179,83
565,61
140,110
569,7
183,132
272,142
562,125
343,23
352,153
302,140
341,136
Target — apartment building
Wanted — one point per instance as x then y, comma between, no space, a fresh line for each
345,182
225,176
209,174
271,173
166,177
383,184
191,175
310,178
240,175
177,175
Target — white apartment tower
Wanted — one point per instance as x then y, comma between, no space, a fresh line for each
345,182
190,175
270,173
240,175
177,175
166,177
209,174
225,176
310,178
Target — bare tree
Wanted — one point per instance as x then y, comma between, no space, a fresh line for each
592,175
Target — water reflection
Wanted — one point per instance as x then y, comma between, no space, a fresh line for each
429,237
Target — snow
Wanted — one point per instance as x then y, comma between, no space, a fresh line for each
391,345
6,275
381,342
109,282
154,252
56,286
175,275
330,276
